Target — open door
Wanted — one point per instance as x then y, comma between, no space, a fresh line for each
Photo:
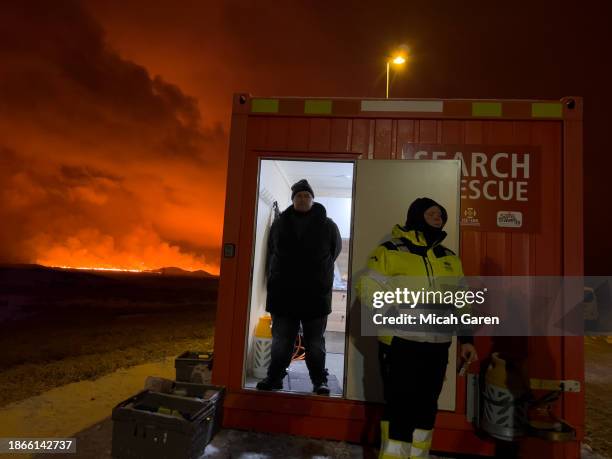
383,192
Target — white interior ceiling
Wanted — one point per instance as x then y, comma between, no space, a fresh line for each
329,179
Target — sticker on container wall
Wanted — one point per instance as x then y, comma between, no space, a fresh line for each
500,185
509,219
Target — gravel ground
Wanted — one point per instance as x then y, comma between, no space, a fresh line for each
95,442
598,378
140,320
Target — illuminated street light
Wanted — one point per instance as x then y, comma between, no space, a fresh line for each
399,59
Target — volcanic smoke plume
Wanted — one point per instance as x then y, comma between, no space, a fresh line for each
101,163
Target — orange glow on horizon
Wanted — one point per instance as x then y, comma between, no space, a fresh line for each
89,268
140,249
151,260
131,270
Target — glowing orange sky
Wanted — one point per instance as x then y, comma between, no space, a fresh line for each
103,163
114,116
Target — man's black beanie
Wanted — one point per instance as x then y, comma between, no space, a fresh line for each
302,185
415,218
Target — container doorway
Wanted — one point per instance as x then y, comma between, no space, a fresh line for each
332,186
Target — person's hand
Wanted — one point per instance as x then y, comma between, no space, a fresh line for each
468,353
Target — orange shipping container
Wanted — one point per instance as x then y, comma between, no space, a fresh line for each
536,238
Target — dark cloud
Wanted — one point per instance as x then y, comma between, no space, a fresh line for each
96,153
59,72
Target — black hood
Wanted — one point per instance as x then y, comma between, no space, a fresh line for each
415,219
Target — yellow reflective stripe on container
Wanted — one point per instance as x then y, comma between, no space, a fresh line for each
486,109
264,105
546,110
318,107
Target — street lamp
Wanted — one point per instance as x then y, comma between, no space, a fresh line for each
397,60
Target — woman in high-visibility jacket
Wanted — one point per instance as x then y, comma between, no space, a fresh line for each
413,367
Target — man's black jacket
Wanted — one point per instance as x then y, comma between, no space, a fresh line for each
302,249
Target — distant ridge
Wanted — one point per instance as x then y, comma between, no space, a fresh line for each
167,271
174,271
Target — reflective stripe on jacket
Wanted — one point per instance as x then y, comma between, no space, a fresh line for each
406,261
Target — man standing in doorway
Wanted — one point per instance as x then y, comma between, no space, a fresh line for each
302,248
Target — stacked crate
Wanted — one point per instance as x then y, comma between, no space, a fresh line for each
173,425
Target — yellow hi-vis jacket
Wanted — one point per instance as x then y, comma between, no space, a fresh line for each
406,261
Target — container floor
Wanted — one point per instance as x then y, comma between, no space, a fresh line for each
298,380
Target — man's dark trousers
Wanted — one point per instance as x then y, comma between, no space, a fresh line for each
284,333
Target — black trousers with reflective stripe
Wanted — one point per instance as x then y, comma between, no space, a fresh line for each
413,375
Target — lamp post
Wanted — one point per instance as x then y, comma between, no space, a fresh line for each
397,60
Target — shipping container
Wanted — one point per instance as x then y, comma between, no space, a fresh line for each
508,148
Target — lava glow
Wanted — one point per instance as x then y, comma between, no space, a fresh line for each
108,163
138,249
89,268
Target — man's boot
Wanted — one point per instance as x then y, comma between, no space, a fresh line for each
270,384
321,388
319,384
395,449
421,443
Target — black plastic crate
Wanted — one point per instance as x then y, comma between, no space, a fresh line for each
140,432
187,361
207,392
